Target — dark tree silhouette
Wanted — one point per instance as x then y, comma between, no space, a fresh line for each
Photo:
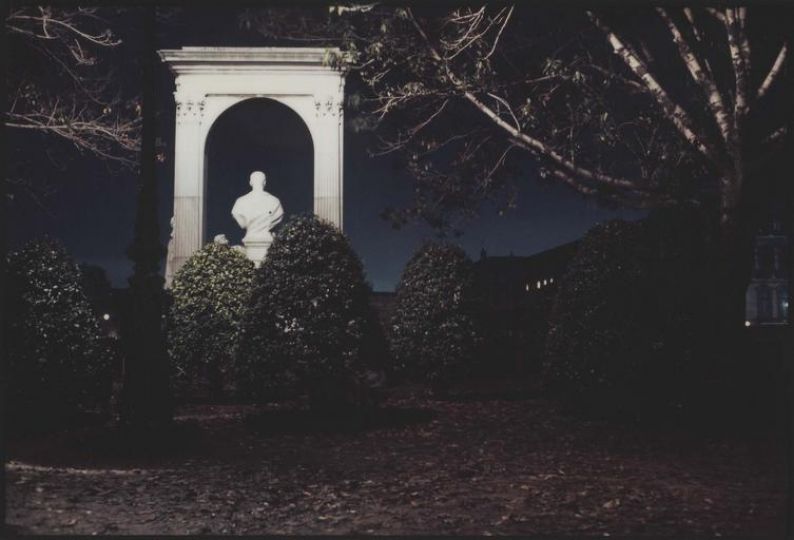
146,399
642,107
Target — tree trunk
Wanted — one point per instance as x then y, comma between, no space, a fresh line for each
725,347
735,253
146,399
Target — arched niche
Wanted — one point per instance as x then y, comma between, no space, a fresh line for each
210,80
255,134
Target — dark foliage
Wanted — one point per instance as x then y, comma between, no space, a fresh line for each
434,335
306,327
210,292
58,364
626,325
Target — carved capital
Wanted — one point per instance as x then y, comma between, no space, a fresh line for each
189,108
328,105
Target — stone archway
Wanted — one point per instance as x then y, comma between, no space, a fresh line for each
210,80
257,134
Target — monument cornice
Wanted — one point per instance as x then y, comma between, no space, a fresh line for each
242,59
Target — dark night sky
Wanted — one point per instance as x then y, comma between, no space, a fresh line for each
92,212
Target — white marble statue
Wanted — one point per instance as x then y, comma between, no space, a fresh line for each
257,212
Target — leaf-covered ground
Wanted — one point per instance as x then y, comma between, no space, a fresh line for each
421,467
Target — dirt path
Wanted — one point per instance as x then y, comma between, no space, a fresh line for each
493,467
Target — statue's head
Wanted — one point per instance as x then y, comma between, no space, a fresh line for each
257,180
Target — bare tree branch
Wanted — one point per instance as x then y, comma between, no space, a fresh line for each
744,42
15,20
774,72
707,85
509,109
542,149
677,115
499,35
72,97
628,82
690,17
740,74
524,140
717,14
776,135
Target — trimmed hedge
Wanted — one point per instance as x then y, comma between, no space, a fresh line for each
209,295
433,334
622,339
58,364
309,326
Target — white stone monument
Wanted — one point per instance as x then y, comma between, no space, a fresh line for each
169,260
257,212
210,80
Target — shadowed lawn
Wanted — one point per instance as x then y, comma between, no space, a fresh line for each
418,466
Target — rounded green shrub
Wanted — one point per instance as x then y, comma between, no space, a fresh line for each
209,294
307,325
621,338
433,332
57,364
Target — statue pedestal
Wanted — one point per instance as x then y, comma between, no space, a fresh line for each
256,251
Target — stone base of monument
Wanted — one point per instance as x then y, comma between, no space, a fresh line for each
257,251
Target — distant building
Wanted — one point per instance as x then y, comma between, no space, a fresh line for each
508,282
767,297
514,294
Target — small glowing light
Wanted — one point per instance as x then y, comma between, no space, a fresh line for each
106,316
526,287
551,280
545,282
538,286
747,323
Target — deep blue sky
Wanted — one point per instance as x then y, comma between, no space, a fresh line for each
93,210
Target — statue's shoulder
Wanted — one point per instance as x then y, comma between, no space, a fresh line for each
272,198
